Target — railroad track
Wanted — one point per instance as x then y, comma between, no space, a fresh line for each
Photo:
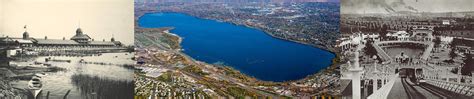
412,93
442,93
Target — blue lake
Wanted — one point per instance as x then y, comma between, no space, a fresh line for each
251,51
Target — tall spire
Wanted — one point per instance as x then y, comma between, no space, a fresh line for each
79,24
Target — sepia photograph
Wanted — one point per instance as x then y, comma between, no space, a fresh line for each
407,49
66,49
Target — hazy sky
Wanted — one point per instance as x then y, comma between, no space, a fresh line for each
387,6
100,19
1,15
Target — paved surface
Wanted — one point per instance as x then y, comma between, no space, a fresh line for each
397,92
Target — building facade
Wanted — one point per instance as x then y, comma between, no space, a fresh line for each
79,42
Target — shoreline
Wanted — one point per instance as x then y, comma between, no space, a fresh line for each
252,81
319,46
319,72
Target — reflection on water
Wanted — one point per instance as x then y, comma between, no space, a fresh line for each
110,88
411,52
58,83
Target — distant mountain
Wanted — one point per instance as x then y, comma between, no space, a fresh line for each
239,1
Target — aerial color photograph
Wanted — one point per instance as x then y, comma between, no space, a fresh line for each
406,49
236,48
66,49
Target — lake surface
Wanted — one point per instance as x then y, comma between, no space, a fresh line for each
251,51
395,51
86,80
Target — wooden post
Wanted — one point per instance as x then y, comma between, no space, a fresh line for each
47,95
65,96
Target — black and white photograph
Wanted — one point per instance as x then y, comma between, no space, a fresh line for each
66,49
407,49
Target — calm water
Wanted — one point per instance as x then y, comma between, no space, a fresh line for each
395,51
58,83
249,50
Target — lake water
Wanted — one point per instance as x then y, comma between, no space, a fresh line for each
86,80
395,51
248,50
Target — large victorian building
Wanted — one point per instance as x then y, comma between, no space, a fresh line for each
79,41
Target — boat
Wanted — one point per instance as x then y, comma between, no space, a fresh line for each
37,63
82,61
35,85
56,60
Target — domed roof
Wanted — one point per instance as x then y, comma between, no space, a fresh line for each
26,35
78,31
112,39
80,37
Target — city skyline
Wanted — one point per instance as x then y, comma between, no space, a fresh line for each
393,6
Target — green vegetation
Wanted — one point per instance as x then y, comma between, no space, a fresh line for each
239,93
165,77
468,66
235,74
171,40
369,49
437,42
195,69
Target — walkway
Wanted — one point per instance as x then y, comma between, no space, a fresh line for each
397,92
427,52
381,53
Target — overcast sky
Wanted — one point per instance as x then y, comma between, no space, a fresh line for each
387,6
100,19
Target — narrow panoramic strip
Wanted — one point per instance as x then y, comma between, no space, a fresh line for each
236,48
407,49
66,49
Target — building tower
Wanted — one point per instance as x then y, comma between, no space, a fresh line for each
112,39
25,34
80,37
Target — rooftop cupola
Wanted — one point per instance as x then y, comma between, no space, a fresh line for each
26,35
81,37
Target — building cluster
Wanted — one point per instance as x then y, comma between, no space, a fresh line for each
309,23
168,84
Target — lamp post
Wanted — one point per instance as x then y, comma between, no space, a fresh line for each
375,76
356,71
459,73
